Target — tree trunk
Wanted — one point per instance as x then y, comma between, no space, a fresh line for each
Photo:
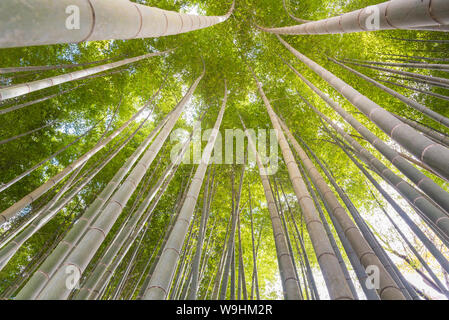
8,184
125,238
255,278
406,190
220,270
413,65
199,245
230,246
37,282
431,133
430,79
415,229
30,103
439,286
327,227
46,68
429,93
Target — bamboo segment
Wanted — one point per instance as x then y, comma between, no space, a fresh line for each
410,102
332,272
437,81
111,260
39,279
388,289
415,198
433,190
444,263
290,282
435,135
95,235
162,276
46,68
423,148
291,15
75,21
412,65
199,246
34,195
394,14
25,88
26,133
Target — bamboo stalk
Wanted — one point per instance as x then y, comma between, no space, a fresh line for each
97,20
394,14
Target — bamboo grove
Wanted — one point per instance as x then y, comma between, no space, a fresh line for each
118,180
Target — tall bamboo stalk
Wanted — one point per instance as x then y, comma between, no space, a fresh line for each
162,276
415,229
412,248
422,147
95,235
388,289
327,227
410,102
444,82
97,20
220,270
199,246
333,275
46,68
407,191
412,65
394,14
433,134
230,245
255,277
34,195
429,93
125,238
25,88
290,283
39,279
433,190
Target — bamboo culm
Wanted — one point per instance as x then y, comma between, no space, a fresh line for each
394,14
333,275
98,20
161,279
426,184
95,235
